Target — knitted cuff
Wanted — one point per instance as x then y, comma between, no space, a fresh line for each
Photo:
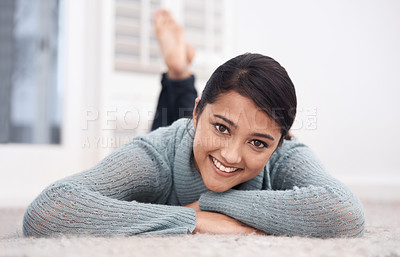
174,219
232,202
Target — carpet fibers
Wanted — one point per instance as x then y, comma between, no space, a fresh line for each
382,238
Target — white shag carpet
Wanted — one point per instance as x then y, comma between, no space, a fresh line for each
382,238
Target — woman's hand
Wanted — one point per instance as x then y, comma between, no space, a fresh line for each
194,206
216,223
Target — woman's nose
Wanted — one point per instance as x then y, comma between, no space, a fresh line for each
232,153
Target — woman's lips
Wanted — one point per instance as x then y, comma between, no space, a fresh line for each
221,169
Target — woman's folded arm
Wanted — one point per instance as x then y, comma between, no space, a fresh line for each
304,201
68,209
111,199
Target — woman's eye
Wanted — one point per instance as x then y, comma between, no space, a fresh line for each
221,128
258,143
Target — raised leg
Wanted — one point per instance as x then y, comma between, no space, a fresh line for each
177,53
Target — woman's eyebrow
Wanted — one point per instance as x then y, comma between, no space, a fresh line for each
263,135
226,120
235,126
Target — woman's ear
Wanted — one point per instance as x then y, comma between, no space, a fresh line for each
194,115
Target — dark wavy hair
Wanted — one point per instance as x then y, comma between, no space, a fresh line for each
261,79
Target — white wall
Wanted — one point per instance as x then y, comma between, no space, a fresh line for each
344,58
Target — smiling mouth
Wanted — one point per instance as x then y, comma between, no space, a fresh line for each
222,168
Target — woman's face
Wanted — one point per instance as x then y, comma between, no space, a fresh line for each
233,142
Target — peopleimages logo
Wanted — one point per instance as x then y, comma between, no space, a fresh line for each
306,119
114,126
104,141
127,118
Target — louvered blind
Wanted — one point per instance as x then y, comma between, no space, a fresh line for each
136,47
203,22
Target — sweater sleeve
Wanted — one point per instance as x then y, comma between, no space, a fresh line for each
122,195
304,201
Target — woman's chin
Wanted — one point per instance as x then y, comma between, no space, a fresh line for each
218,188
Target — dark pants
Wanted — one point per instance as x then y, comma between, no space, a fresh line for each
176,101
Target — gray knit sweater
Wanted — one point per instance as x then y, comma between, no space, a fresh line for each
141,187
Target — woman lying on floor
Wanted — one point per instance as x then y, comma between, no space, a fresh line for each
232,168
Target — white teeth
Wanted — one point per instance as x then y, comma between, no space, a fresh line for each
222,167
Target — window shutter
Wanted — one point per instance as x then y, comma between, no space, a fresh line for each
136,47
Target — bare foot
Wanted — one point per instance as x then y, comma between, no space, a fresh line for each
190,53
177,54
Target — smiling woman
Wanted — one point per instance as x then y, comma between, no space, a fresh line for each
232,143
246,109
231,169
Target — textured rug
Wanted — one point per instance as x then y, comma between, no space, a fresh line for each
382,238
